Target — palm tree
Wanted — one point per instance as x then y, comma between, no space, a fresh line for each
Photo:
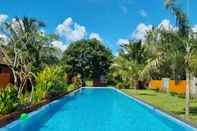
130,62
177,47
184,34
128,70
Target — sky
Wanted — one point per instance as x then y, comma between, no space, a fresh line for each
111,21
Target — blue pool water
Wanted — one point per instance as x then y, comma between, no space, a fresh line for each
98,109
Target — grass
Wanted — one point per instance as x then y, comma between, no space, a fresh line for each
167,102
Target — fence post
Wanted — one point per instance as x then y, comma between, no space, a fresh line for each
165,84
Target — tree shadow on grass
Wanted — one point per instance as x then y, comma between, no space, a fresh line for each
178,112
147,94
193,110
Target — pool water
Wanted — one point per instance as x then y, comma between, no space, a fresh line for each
98,109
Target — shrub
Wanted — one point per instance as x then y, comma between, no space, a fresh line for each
120,86
24,101
71,87
24,98
77,81
8,99
89,83
49,83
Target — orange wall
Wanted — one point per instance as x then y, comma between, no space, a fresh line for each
155,84
173,86
177,87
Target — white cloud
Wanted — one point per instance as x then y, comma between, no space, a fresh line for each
143,13
70,30
95,36
140,31
59,44
3,18
194,28
165,24
123,41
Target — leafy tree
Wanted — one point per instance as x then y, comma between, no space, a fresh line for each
89,58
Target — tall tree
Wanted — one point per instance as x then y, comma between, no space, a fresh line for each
89,58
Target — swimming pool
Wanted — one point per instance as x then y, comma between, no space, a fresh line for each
98,109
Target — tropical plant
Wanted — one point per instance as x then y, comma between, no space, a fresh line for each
77,81
49,83
134,50
127,70
130,62
8,99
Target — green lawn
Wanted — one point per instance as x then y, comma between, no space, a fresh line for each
167,102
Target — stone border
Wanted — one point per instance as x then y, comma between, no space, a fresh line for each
8,118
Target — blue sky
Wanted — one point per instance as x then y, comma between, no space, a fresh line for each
110,19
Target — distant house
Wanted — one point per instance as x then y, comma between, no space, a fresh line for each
101,82
6,75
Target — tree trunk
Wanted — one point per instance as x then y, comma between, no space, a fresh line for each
32,90
187,93
15,77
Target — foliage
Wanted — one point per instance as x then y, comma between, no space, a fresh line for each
77,81
71,87
89,58
120,85
24,98
27,50
128,65
89,83
49,82
134,51
27,45
8,98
